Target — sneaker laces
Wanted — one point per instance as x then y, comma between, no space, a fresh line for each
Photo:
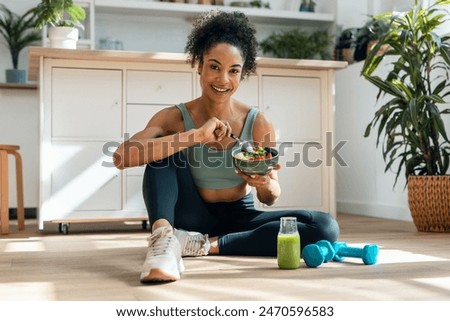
161,242
193,243
196,245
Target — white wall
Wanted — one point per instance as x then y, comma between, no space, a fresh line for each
363,187
352,13
19,119
19,114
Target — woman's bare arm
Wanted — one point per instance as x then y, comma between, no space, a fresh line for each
164,136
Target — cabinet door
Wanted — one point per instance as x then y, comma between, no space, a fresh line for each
134,200
83,179
293,104
301,176
86,103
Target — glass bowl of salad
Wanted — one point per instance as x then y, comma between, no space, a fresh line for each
261,161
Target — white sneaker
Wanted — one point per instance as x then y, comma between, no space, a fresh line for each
163,262
193,243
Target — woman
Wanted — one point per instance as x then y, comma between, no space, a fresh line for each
190,183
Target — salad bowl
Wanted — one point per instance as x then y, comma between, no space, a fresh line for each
260,162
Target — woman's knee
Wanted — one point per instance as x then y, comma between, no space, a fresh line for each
177,160
327,226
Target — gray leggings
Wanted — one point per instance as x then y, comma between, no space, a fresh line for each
170,193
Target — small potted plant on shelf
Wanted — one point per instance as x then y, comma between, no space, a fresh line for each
410,121
367,36
259,4
298,44
63,18
307,6
18,32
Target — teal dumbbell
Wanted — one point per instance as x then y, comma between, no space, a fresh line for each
318,253
368,254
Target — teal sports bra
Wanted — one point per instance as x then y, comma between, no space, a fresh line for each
212,168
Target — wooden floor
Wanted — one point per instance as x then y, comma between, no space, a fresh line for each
103,262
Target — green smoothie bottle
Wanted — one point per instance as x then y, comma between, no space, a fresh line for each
288,249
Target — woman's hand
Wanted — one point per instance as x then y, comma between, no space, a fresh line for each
214,130
256,180
267,187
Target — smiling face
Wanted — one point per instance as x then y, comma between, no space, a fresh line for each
221,71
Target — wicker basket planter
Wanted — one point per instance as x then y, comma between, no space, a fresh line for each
429,202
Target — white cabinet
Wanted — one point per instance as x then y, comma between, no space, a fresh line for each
82,112
86,103
295,102
92,100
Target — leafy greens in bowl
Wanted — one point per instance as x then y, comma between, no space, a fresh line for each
260,162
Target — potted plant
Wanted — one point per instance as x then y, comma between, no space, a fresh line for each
410,122
345,45
298,44
307,6
259,4
63,17
18,32
367,36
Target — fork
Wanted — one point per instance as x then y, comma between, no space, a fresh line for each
245,145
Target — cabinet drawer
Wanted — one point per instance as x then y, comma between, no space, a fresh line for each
159,87
86,103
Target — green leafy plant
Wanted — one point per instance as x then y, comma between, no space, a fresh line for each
298,44
59,13
410,121
259,4
18,31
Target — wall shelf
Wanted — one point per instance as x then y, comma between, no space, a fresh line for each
10,85
190,11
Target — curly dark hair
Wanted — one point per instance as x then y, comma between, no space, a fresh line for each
214,27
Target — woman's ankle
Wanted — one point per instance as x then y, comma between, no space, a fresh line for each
159,223
214,246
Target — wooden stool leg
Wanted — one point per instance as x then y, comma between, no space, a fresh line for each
19,180
4,208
